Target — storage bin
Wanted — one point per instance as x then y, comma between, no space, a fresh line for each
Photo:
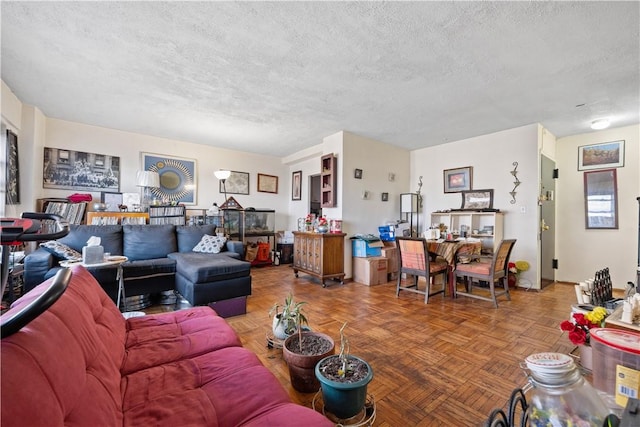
366,248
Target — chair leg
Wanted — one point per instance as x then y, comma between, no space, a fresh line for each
398,285
492,290
505,285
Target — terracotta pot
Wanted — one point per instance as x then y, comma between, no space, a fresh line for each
302,366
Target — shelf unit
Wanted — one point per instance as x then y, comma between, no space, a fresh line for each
488,227
73,212
410,212
328,180
167,214
114,218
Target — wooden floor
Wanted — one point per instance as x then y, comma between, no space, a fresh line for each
448,363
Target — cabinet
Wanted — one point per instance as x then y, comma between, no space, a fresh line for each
319,254
488,227
328,181
113,218
167,215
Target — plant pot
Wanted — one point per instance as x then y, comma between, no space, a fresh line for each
279,330
343,399
301,366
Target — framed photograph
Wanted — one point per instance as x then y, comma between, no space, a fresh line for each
131,201
357,174
457,180
79,170
601,156
267,183
177,177
112,200
12,196
296,185
477,200
601,199
237,183
385,197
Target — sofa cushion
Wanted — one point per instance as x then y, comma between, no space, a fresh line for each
110,237
190,235
148,268
210,244
60,250
203,268
148,241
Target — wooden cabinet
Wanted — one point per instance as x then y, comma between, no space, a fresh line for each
114,218
486,226
319,254
328,181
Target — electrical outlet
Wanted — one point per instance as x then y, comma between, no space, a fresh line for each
523,209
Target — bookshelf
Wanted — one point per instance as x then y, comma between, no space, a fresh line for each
168,214
114,218
72,212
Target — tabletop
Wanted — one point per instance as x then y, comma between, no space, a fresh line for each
112,260
449,249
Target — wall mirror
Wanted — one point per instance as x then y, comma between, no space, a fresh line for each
601,199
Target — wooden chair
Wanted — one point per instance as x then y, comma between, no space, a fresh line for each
495,271
414,259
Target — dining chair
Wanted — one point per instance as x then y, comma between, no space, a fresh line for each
491,272
416,261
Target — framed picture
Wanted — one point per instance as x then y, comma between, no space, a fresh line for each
79,170
477,200
112,200
601,199
12,196
267,183
237,183
457,180
177,177
385,197
296,185
131,201
357,174
601,156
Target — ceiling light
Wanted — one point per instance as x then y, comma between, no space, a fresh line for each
600,124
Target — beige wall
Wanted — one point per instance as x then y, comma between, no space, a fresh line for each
582,252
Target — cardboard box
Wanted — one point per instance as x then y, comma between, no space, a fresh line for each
391,254
370,271
366,248
284,236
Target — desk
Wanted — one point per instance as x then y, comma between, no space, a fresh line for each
449,251
116,260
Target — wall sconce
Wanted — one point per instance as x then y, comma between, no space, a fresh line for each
147,180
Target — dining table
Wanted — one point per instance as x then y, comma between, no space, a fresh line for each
450,250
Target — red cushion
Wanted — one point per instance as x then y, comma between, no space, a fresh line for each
482,268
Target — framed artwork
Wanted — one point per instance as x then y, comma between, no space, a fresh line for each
237,183
601,199
112,200
457,180
601,156
357,174
177,177
12,178
385,197
131,201
296,185
79,170
267,183
477,199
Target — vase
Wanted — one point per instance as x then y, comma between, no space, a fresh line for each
323,228
586,357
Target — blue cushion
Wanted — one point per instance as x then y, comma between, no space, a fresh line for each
110,237
203,268
190,235
148,241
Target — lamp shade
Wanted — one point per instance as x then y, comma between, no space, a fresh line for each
221,174
148,179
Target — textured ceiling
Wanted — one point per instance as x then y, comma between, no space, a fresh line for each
277,77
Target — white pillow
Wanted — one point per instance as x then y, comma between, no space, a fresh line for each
210,244
61,251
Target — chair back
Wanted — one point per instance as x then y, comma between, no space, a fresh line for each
412,255
501,258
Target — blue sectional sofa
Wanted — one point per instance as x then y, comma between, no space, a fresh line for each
160,258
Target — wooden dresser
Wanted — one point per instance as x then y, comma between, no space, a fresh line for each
319,254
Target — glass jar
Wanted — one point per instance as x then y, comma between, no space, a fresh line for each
559,395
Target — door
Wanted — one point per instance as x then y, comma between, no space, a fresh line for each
547,220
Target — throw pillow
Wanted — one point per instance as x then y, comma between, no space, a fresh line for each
61,251
210,244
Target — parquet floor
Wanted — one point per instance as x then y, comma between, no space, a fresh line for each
447,363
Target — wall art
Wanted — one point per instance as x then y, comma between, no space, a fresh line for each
267,183
601,156
296,185
457,180
79,170
237,183
12,178
177,177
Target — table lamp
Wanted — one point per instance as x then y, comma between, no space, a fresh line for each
147,180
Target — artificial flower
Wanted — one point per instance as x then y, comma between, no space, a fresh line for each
581,323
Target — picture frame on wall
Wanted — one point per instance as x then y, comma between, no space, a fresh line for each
64,169
178,177
12,195
601,156
357,174
111,200
237,183
385,197
457,180
296,185
267,183
477,200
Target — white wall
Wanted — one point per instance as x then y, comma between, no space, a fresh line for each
582,252
491,157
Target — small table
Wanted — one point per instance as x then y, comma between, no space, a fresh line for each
116,260
449,250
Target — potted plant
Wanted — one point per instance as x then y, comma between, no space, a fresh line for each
287,317
302,351
344,379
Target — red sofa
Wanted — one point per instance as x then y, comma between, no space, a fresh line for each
81,363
